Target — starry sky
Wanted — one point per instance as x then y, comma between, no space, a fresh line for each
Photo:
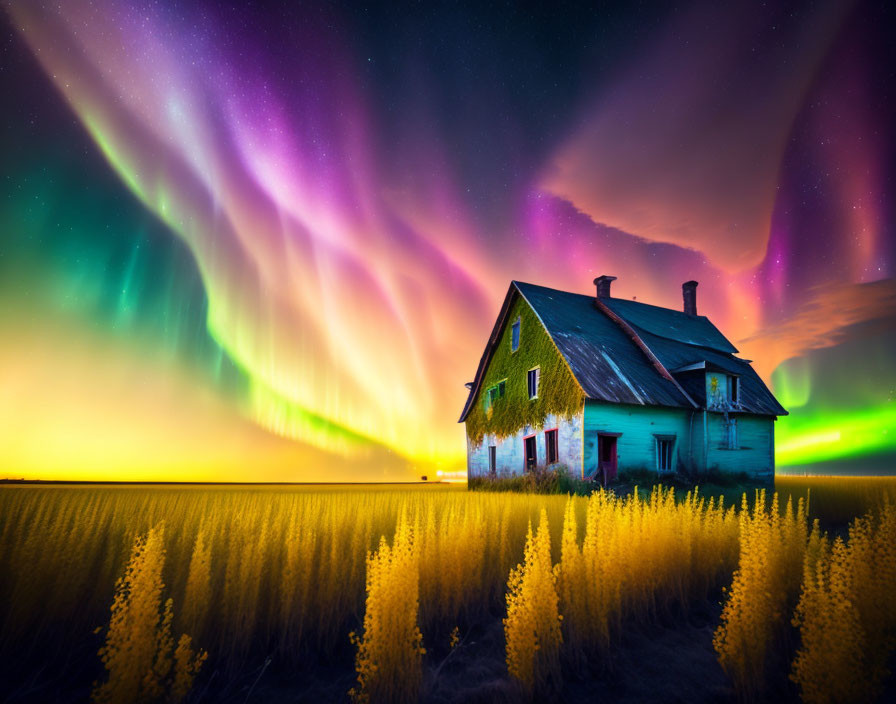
267,242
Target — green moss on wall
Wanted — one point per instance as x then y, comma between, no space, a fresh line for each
558,393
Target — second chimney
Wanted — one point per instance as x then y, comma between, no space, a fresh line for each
603,285
689,294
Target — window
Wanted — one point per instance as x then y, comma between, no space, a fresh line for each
492,459
493,393
665,446
531,452
515,336
714,399
733,390
550,445
731,434
533,382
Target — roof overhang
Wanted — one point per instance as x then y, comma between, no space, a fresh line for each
489,350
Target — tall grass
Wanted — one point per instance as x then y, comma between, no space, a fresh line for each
390,649
846,614
638,558
141,661
288,573
763,591
838,594
252,572
532,626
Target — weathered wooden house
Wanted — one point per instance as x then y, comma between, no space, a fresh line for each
601,384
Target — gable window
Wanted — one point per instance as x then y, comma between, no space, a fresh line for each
550,446
734,390
515,336
665,446
534,376
714,399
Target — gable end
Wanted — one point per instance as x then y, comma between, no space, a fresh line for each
559,393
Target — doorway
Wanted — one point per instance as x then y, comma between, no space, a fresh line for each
607,458
531,453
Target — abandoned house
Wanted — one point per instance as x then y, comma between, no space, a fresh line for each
601,384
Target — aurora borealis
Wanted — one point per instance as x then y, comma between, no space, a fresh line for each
267,243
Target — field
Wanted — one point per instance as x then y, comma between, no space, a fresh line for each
434,593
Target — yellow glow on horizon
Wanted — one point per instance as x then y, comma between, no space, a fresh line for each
102,412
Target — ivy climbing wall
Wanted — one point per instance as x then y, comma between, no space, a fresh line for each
506,415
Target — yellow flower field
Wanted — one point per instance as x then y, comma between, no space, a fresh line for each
208,586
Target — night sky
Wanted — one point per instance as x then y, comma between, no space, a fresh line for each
247,242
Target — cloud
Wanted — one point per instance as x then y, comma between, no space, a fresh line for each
823,321
685,147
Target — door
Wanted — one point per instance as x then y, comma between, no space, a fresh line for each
492,459
531,453
606,452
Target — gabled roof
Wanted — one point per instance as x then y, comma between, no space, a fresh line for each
622,351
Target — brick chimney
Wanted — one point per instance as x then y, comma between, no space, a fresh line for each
689,294
603,285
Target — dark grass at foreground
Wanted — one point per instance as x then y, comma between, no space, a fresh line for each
672,660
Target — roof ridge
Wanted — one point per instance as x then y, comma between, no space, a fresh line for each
653,305
678,316
614,298
550,288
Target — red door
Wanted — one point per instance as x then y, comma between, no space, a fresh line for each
606,453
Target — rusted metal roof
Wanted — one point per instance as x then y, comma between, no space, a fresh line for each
621,351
